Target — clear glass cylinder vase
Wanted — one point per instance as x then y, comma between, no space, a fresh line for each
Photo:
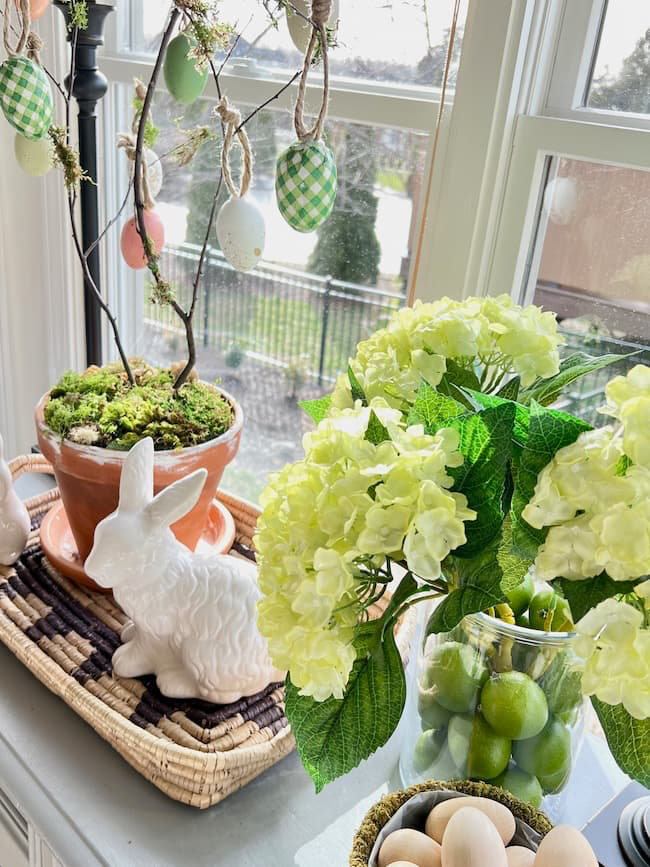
495,702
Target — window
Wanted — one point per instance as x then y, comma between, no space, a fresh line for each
621,76
285,330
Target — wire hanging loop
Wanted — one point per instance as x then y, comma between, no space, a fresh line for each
127,141
231,118
320,13
25,17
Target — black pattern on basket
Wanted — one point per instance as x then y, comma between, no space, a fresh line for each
79,629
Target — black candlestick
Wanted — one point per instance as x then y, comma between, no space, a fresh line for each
89,86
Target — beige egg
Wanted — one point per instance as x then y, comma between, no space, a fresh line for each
498,814
409,845
519,856
471,840
565,847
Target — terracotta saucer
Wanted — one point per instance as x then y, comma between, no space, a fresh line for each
60,549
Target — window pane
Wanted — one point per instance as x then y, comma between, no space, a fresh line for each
284,331
621,79
594,265
402,41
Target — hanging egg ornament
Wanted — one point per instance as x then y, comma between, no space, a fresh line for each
131,243
184,81
37,8
300,28
305,184
33,157
154,171
26,97
241,232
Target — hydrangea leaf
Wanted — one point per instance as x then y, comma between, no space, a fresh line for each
433,409
545,391
510,391
334,735
513,567
628,739
548,431
317,409
486,444
480,579
522,413
376,431
585,595
355,388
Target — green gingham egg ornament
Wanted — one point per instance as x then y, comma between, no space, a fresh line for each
26,97
305,184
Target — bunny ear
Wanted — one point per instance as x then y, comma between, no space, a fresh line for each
136,484
175,501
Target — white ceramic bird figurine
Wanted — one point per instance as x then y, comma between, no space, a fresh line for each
14,518
193,615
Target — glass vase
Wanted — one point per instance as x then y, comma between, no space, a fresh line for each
495,702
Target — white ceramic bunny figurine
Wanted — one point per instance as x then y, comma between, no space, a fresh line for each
14,518
193,615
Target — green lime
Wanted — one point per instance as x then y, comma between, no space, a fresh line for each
427,749
432,714
549,612
522,620
514,705
547,756
456,673
524,786
519,597
562,685
476,749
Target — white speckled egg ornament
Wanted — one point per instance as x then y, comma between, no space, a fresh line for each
241,231
154,171
305,178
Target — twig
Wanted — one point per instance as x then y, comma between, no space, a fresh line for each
268,101
111,222
52,78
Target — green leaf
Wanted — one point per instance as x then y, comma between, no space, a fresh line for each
486,443
585,595
317,409
480,579
522,413
460,376
628,739
548,431
545,391
376,432
510,391
513,567
357,392
333,736
433,409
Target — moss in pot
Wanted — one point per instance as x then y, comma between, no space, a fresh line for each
87,423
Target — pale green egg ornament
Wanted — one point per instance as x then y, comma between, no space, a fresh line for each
184,81
26,97
33,157
305,184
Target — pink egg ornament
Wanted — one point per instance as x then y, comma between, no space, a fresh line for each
131,245
37,8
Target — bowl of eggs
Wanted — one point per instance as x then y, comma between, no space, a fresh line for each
464,824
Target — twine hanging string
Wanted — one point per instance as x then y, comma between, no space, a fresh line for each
127,141
25,17
434,145
232,120
320,13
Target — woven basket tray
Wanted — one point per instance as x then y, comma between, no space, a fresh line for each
195,752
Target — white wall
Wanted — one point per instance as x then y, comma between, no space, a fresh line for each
40,296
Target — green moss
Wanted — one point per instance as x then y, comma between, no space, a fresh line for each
99,408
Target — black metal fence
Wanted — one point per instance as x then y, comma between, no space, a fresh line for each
273,313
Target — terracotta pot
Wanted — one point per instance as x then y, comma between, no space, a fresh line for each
88,477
